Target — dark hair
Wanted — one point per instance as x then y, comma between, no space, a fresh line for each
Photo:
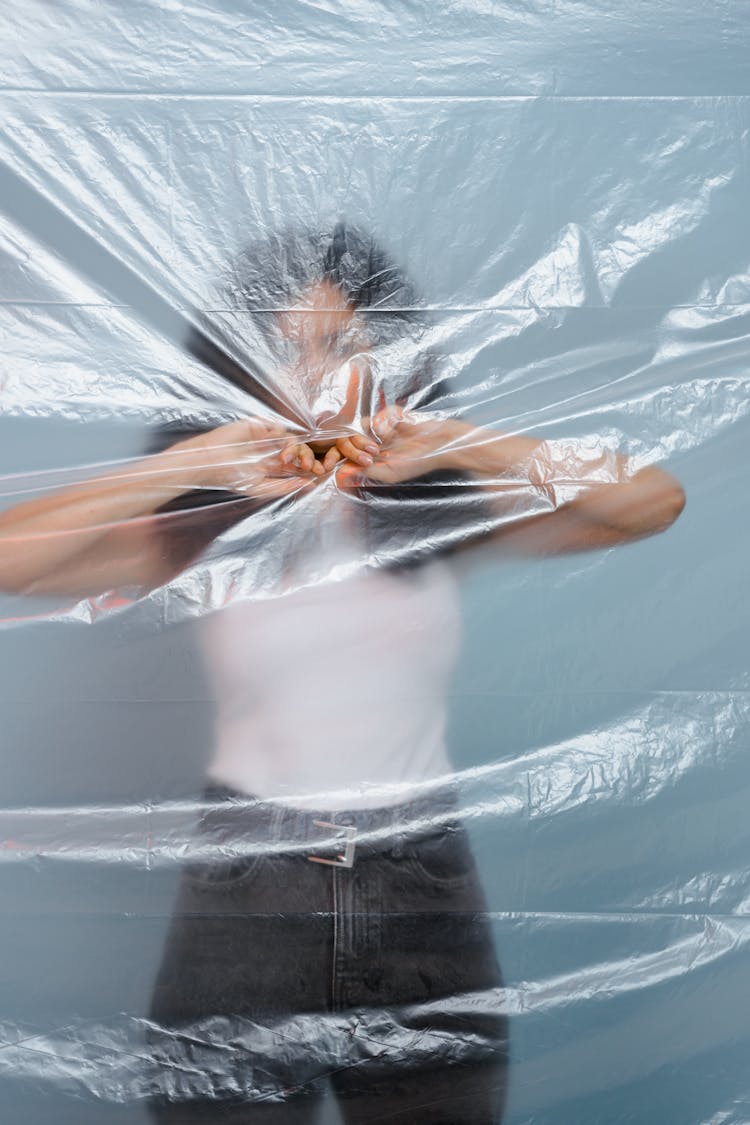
272,271
408,522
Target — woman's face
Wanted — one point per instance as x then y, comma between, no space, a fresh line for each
322,332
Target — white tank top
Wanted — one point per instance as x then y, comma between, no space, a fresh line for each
334,695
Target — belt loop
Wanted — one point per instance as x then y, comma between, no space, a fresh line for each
277,817
397,833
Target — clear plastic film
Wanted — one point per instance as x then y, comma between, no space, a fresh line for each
373,553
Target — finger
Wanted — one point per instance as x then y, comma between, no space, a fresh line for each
288,455
300,456
364,443
321,444
348,449
306,459
331,459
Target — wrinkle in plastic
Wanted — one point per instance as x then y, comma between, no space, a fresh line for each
346,445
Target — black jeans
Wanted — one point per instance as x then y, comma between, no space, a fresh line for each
282,976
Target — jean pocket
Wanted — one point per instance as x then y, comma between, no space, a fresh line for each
445,858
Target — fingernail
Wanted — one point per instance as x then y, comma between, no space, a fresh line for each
364,459
371,447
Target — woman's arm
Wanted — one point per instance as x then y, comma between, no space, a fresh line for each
591,498
102,533
594,498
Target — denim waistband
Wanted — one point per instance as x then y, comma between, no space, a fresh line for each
231,816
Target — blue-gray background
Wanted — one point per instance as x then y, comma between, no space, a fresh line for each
569,184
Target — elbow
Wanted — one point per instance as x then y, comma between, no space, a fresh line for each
675,502
658,503
680,501
672,505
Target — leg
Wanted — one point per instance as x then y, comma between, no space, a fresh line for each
420,987
247,951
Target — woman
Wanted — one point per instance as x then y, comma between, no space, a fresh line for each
332,930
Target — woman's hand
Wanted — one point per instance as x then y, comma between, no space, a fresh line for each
359,449
300,456
252,457
408,447
257,457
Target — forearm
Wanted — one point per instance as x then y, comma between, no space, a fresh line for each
601,488
38,536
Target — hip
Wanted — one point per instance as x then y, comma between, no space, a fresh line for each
286,910
408,856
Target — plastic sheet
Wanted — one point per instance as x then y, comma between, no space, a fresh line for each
357,366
